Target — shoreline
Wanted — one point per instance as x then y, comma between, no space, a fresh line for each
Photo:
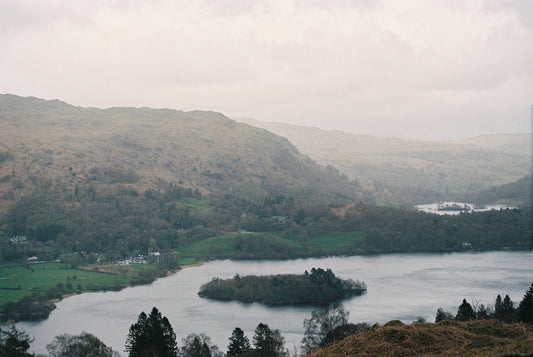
64,296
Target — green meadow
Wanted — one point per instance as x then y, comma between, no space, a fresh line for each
277,245
18,281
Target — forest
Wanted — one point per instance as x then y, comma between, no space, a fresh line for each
120,221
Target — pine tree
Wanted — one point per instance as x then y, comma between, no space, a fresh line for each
239,344
498,308
151,335
267,342
525,309
465,312
508,309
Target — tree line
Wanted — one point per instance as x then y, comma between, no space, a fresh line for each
504,310
118,221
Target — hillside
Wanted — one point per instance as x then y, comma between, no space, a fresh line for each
447,338
141,147
514,193
407,172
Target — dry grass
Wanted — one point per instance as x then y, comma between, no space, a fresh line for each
449,338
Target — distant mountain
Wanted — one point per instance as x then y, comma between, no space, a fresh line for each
52,140
407,172
509,143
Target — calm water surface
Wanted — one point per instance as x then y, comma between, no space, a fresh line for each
401,286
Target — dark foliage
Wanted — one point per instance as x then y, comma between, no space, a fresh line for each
268,342
26,309
14,343
239,344
465,312
525,309
151,335
316,287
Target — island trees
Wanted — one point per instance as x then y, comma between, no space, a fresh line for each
151,335
317,287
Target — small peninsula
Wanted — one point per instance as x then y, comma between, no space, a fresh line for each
311,288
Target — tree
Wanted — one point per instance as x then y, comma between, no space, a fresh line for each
465,312
198,346
14,343
151,336
268,343
507,309
498,308
321,323
525,309
443,315
83,345
239,344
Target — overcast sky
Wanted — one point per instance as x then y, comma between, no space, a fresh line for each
420,69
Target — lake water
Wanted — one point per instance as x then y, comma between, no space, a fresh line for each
452,208
400,286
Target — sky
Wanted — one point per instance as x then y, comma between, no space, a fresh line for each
428,69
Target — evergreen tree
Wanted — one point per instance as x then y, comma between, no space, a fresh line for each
507,309
239,344
465,312
525,309
498,308
151,336
268,343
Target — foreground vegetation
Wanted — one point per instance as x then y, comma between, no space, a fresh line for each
449,338
317,287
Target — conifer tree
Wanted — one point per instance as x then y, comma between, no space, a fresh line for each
239,344
465,312
498,308
525,309
267,342
151,335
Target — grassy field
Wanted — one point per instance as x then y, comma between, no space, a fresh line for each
237,245
17,281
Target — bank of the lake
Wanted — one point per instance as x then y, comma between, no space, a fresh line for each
400,286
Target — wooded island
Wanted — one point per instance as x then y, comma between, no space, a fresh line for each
311,288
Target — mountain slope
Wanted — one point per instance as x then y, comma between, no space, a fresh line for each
52,140
402,171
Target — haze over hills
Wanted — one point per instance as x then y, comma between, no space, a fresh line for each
406,172
51,140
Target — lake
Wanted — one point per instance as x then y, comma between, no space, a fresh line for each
400,286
